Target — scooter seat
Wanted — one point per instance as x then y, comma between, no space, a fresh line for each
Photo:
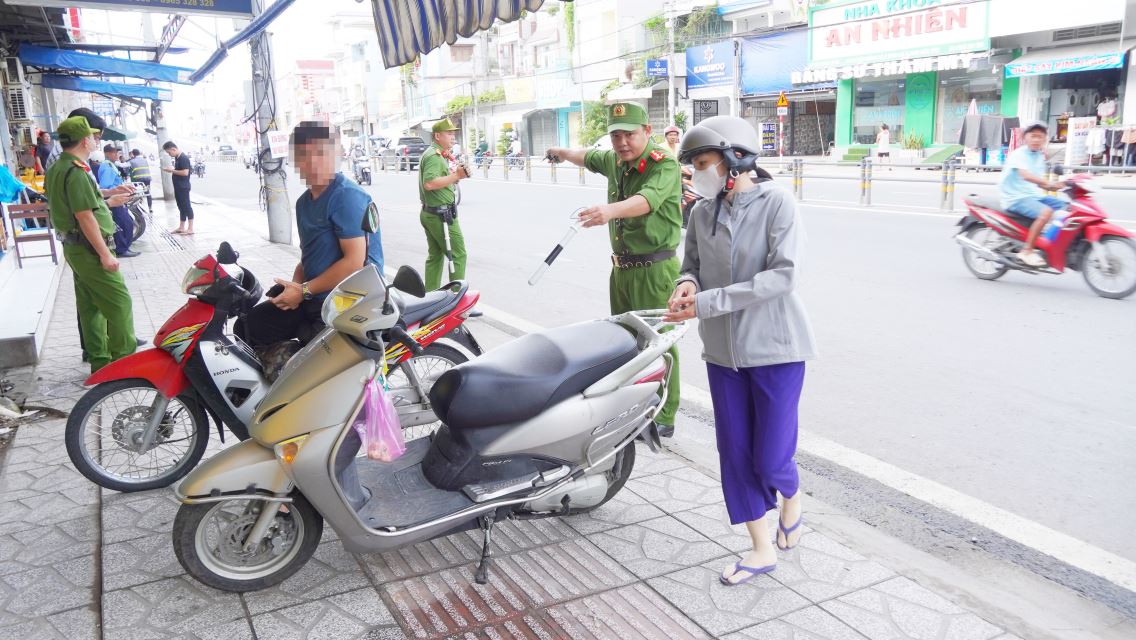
432,304
524,377
994,204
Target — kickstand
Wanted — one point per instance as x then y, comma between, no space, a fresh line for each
482,574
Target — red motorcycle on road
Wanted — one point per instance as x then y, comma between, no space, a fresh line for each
145,423
1084,240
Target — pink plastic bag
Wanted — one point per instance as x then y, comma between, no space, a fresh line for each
378,424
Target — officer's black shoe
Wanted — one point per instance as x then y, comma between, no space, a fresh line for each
128,254
141,342
476,313
666,430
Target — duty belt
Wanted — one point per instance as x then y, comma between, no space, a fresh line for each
643,260
77,238
447,212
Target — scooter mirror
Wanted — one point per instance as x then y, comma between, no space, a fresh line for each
226,254
408,281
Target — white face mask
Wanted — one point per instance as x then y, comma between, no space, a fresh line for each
97,154
706,182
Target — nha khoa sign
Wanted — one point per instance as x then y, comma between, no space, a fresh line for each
882,69
878,30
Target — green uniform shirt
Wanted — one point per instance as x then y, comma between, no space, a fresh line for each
434,165
654,175
70,188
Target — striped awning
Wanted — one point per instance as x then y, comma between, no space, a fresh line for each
409,28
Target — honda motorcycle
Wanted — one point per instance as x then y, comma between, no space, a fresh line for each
145,422
139,213
544,426
362,170
1080,238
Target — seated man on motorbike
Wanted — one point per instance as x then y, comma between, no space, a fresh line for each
1021,188
329,217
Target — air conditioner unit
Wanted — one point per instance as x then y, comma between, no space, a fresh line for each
13,72
19,105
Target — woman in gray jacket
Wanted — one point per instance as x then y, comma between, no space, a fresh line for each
742,255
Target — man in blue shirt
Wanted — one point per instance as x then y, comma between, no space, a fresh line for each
109,178
1021,188
329,217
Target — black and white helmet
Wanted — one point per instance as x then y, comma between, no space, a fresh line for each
729,135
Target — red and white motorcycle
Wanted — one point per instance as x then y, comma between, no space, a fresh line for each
145,422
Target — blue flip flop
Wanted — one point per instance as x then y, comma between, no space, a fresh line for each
785,532
753,573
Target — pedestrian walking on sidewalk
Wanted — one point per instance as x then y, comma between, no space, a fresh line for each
643,220
333,245
109,178
743,250
84,223
181,170
445,243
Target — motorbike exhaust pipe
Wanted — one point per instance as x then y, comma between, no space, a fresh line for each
977,248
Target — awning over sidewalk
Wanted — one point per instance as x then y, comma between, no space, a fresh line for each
46,57
116,89
254,27
1085,57
409,28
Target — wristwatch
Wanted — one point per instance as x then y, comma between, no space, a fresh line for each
306,291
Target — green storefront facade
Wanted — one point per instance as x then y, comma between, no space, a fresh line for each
916,65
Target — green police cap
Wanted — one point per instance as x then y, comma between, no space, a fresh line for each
625,116
443,125
73,130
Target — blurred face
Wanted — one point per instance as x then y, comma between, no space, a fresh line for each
672,137
446,139
45,138
629,145
316,161
172,151
1035,139
112,155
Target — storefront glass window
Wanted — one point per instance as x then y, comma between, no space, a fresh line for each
877,102
956,90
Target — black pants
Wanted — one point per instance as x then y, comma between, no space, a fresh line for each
185,208
267,324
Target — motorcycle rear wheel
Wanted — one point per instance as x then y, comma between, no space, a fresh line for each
139,216
981,267
209,542
95,446
1109,267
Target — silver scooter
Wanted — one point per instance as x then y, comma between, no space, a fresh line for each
541,427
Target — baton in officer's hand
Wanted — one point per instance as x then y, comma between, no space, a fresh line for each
568,235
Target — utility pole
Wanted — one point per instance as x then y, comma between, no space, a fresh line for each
579,70
670,64
271,169
157,115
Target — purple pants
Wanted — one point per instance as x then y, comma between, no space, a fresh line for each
755,415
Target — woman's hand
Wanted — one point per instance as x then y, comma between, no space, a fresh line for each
681,304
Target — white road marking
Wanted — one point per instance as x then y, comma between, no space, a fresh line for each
1061,546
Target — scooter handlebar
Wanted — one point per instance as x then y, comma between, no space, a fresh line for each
399,335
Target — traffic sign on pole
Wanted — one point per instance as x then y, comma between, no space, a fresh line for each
782,101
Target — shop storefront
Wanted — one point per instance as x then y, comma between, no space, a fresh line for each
917,66
711,79
766,67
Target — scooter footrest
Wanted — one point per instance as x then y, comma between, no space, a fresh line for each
493,490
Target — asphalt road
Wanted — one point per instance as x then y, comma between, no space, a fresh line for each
1016,392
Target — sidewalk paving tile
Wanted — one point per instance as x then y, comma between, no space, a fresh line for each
331,571
625,507
137,515
450,602
721,609
820,568
649,463
678,490
44,591
812,623
559,572
900,608
76,624
657,546
714,522
174,606
46,546
630,612
355,614
424,557
138,561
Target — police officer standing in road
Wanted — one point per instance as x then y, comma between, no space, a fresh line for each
643,219
436,190
84,223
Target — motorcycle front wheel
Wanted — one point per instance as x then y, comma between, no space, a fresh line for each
981,267
105,432
1110,267
211,542
139,216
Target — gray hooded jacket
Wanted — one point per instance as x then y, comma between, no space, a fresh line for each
749,314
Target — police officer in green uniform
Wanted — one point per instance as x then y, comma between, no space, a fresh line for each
436,190
643,220
84,224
